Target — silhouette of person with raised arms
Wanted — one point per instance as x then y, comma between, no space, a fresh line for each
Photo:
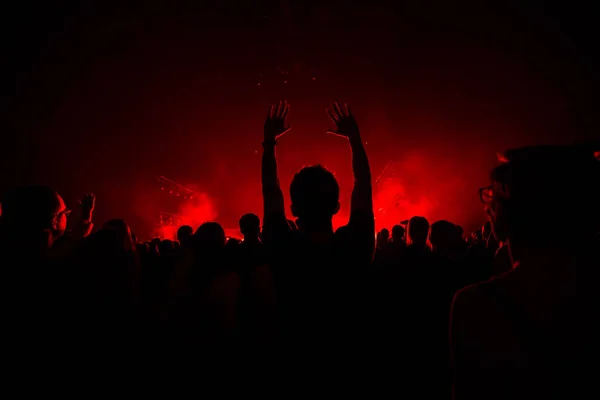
314,269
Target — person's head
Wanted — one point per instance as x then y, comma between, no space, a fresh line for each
460,232
397,233
123,231
418,229
232,243
315,196
250,226
30,209
184,233
118,224
210,236
442,235
384,235
166,246
537,188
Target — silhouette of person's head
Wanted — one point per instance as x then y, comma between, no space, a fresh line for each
315,193
250,226
166,246
31,209
418,229
210,236
122,230
232,243
384,235
397,233
184,233
117,224
460,232
536,188
442,235
343,230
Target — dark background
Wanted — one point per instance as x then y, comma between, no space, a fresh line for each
105,96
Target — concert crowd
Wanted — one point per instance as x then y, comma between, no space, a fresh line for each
421,309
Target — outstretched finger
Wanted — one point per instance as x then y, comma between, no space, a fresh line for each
344,109
286,109
270,111
332,115
347,110
338,110
280,108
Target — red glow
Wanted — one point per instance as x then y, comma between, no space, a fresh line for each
191,213
416,185
423,183
391,205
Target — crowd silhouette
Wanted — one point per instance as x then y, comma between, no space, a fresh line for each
507,312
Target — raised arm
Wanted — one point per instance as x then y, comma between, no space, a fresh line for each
362,220
274,129
362,193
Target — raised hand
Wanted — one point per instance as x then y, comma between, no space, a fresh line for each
344,121
275,123
88,203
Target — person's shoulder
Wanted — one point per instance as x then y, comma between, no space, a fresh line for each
480,289
469,314
477,299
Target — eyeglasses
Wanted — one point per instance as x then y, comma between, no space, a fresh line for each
485,194
65,212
